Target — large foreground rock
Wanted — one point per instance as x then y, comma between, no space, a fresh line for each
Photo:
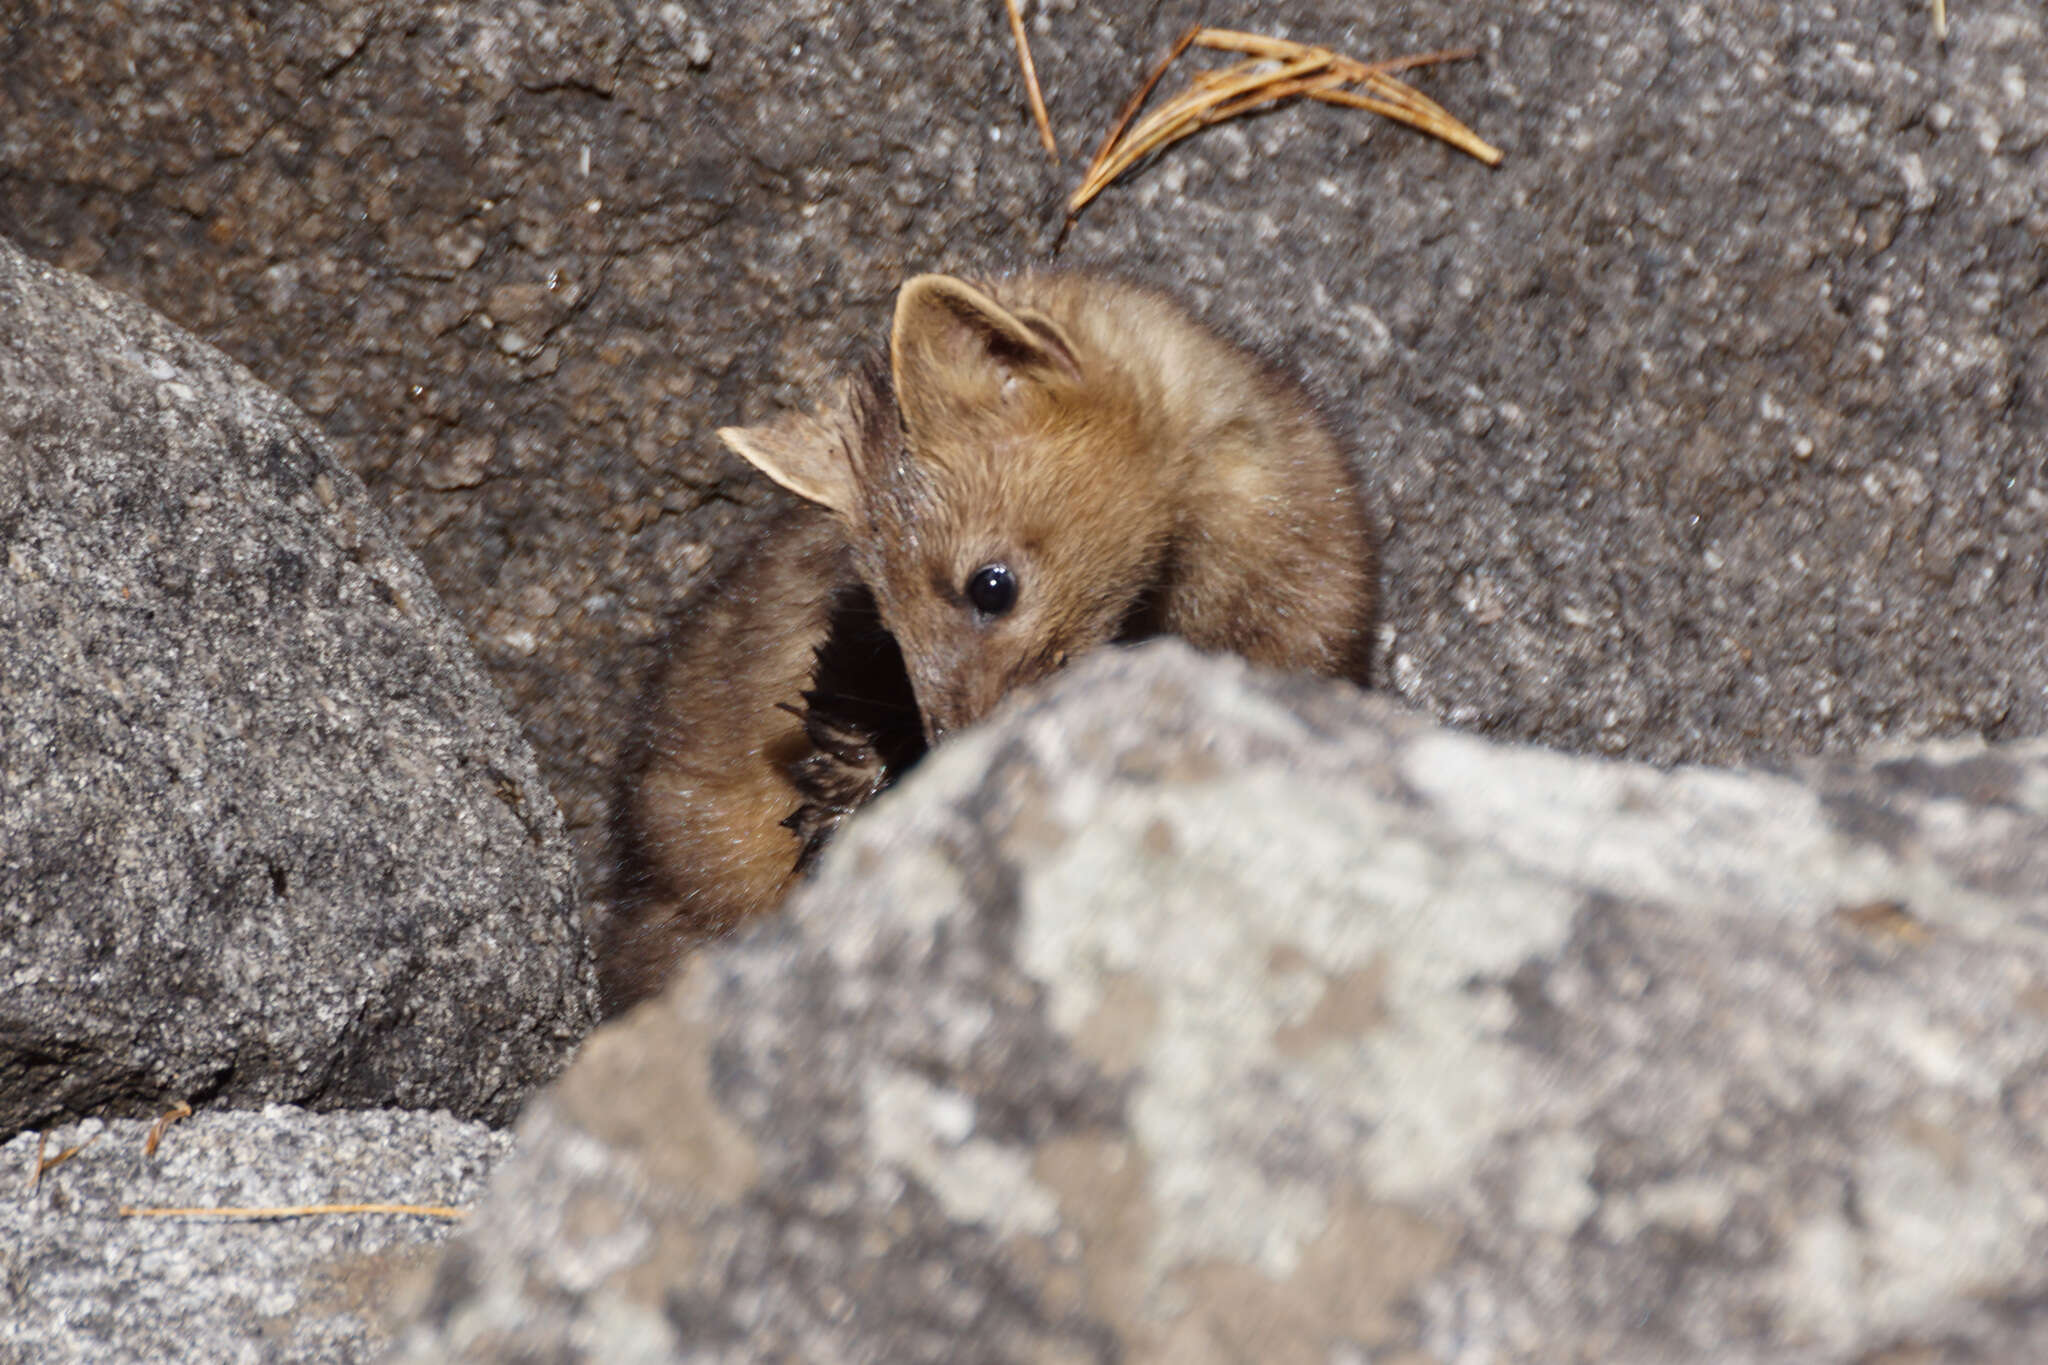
266,833
1195,1016
84,1284
1708,427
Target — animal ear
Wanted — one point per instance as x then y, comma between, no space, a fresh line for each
810,455
954,345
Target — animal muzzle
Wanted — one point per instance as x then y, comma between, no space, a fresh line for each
958,702
947,710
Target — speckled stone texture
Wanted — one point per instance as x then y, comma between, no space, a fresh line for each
83,1284
1707,427
1191,1015
266,832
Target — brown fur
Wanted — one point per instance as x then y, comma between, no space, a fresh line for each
1136,473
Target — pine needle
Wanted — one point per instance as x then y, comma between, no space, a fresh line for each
297,1211
1137,101
163,1122
1031,89
1276,69
54,1162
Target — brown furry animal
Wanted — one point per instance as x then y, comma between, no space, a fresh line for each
1053,462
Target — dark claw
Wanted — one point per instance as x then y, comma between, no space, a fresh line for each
861,721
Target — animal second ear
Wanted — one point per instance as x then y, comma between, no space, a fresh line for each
952,343
810,455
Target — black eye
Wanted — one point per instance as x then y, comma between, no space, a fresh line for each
992,589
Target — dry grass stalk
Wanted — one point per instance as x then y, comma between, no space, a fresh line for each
297,1211
164,1121
1031,89
1886,919
1275,69
52,1163
1137,101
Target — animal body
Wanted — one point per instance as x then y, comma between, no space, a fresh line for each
1049,462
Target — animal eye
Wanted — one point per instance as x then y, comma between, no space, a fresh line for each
992,589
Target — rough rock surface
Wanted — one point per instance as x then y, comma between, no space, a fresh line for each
1707,427
1197,1016
83,1284
266,832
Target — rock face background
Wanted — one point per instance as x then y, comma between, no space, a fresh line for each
1705,428
1708,427
1192,1016
84,1284
266,832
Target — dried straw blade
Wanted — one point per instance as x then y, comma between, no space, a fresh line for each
1258,45
1389,98
45,1164
1137,101
181,1110
1031,90
1173,111
297,1211
1405,104
1188,113
1253,44
1301,72
1306,85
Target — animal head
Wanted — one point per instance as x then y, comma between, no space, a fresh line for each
1001,491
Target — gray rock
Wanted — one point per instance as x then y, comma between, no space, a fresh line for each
1191,1015
1706,428
84,1284
266,833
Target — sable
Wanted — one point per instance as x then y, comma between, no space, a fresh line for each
1052,462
